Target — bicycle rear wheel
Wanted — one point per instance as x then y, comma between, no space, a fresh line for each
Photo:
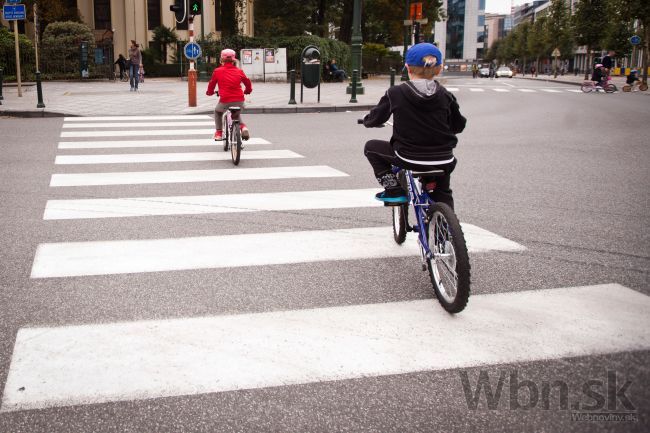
400,215
449,268
235,143
627,88
587,88
643,87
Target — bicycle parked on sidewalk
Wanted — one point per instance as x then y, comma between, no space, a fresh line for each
232,138
440,237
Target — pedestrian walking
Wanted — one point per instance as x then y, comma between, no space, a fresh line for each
135,63
121,64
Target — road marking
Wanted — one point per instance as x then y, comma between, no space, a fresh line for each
138,124
101,363
475,89
574,90
452,89
527,90
551,90
134,133
508,84
126,158
133,118
179,176
501,90
68,259
114,144
208,204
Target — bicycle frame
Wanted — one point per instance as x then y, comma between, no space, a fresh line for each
421,202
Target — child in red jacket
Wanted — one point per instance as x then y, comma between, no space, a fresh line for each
229,78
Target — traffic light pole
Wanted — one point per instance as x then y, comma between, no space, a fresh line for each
191,74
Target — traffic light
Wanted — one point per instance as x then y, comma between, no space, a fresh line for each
196,6
179,10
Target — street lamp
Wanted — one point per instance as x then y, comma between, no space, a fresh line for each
357,41
407,33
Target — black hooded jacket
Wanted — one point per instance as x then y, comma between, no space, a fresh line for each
424,127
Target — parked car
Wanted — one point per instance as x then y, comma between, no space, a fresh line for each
504,71
484,72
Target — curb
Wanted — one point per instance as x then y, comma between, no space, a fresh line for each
550,80
251,110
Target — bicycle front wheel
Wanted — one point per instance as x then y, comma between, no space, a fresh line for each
449,267
610,88
235,143
643,87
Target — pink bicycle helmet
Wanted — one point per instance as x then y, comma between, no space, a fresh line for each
228,54
599,65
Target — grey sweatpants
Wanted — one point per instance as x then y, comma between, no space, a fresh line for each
221,107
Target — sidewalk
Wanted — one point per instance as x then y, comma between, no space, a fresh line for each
170,96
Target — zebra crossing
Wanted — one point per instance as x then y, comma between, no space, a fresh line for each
110,362
475,89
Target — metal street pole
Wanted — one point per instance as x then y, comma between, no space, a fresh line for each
20,90
407,32
191,74
357,41
39,88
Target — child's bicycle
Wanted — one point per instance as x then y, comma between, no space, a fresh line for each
635,87
588,86
440,237
232,133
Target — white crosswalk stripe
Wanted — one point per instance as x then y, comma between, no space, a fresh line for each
551,90
476,89
501,90
127,158
111,362
527,90
72,365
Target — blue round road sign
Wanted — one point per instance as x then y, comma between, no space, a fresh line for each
192,50
635,40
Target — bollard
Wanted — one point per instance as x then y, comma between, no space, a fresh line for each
392,77
1,79
39,91
353,98
292,87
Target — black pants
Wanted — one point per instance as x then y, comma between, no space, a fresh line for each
381,157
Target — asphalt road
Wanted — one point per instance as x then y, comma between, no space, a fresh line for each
563,174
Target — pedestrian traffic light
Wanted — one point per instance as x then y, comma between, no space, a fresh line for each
179,10
196,6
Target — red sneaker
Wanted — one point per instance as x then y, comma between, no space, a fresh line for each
218,136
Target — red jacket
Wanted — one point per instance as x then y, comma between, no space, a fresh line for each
229,78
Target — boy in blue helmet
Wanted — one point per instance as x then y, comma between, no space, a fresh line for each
426,119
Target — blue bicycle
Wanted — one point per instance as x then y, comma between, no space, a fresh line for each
440,237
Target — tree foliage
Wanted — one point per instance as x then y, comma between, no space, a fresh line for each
60,46
163,37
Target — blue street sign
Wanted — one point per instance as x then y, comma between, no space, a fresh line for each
13,1
635,40
13,12
192,50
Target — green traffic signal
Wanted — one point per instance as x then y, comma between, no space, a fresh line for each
196,6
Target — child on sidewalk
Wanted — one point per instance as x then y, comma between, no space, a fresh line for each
229,78
426,119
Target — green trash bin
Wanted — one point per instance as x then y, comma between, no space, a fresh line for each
310,69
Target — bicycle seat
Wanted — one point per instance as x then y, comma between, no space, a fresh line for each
234,109
430,173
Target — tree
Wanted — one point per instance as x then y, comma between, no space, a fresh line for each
50,11
631,10
538,41
163,37
559,30
520,35
589,20
61,42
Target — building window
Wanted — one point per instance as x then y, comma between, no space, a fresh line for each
481,20
455,28
153,14
102,14
481,5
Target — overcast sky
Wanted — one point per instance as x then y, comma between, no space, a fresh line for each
502,6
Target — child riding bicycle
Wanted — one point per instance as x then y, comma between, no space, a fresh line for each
426,119
229,78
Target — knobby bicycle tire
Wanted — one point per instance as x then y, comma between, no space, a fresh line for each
445,237
235,143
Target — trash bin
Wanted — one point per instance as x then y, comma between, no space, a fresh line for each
310,67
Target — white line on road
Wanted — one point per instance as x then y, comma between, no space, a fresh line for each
574,90
507,84
134,133
133,118
114,144
138,124
551,90
179,176
501,90
476,89
87,364
207,204
452,89
68,259
171,157
527,90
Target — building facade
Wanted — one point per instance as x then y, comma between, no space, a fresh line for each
462,34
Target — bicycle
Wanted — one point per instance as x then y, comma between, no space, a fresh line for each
635,87
588,86
440,237
232,133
